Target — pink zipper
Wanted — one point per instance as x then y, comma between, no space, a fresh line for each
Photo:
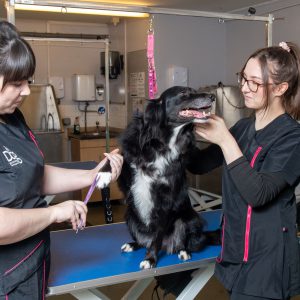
44,279
35,142
27,256
255,156
248,221
219,259
249,214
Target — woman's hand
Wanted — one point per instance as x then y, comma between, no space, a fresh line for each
28,222
116,162
69,211
214,130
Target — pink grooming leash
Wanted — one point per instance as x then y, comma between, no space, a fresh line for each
152,84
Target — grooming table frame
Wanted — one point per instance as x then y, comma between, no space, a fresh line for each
92,258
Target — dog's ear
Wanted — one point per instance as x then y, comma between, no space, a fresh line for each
152,123
153,114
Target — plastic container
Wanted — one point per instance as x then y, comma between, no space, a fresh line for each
76,126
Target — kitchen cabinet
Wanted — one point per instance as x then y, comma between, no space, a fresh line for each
92,150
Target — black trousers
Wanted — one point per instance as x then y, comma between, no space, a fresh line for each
24,268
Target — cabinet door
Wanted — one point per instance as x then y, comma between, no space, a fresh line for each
95,154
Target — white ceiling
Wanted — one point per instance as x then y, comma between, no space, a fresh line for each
227,6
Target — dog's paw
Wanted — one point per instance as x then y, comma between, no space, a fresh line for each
183,255
127,248
103,179
146,264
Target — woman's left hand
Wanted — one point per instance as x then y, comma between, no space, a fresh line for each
116,162
214,130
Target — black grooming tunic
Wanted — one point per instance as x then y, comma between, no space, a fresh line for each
23,265
260,252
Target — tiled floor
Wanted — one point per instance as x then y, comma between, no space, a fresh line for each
212,291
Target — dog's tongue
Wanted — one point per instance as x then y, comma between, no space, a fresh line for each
191,113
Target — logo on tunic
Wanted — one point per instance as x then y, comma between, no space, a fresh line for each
11,157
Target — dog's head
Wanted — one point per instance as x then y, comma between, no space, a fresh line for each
186,105
176,106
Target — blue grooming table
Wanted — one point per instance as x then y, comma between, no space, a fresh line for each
92,258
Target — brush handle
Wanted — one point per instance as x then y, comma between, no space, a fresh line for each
87,197
91,190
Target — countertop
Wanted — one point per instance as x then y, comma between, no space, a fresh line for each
93,134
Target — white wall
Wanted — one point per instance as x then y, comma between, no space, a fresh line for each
194,43
136,34
243,38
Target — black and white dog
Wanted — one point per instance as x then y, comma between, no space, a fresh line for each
153,178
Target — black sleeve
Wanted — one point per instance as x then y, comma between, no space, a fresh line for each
256,188
204,160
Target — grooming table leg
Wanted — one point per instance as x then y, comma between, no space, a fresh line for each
90,294
200,278
203,200
49,198
137,289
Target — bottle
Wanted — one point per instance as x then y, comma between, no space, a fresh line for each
76,126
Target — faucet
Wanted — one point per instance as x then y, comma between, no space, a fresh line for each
98,127
50,116
44,125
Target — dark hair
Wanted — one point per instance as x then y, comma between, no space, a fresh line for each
17,60
281,65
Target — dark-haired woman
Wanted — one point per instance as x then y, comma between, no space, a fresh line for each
260,257
24,179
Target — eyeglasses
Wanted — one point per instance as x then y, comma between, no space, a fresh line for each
252,85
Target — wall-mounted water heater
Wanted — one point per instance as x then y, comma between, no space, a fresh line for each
84,87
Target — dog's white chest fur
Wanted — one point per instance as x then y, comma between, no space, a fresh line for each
141,194
142,183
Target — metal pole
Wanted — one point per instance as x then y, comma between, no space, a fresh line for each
107,94
270,30
206,14
10,9
149,10
41,39
105,192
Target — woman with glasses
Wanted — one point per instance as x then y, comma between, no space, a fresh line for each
260,256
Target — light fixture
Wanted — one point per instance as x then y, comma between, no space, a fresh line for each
77,10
